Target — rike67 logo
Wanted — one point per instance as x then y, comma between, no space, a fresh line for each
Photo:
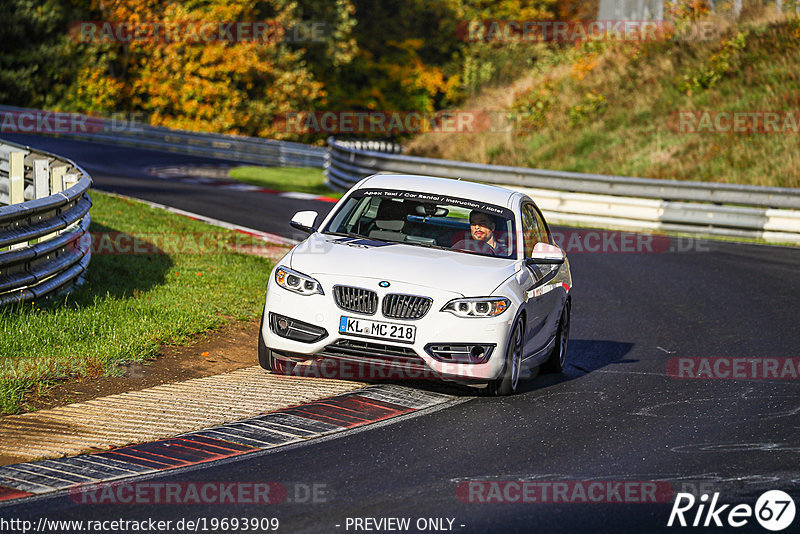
774,510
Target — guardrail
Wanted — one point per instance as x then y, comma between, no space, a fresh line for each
45,243
136,134
697,208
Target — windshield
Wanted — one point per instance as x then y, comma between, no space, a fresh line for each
426,220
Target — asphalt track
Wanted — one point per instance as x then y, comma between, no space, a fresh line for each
615,414
125,171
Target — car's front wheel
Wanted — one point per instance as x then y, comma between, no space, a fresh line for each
508,381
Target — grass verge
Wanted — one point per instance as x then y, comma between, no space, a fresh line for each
190,279
617,108
299,179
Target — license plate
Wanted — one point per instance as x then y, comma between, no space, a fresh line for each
357,326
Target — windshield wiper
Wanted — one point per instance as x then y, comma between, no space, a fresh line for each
346,234
412,243
426,245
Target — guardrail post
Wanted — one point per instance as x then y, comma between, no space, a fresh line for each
44,184
16,177
16,184
41,178
70,179
57,178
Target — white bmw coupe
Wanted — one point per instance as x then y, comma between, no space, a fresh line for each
432,277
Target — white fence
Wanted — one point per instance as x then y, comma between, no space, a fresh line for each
696,208
136,134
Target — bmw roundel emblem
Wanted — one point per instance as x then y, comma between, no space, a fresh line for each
384,283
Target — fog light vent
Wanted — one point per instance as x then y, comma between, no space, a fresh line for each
460,352
295,330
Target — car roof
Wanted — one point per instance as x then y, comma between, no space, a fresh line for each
490,194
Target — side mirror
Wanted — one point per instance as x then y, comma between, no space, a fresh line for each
304,221
545,254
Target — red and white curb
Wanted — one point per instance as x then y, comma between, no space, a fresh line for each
274,429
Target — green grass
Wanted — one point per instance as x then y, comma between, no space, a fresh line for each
300,179
131,304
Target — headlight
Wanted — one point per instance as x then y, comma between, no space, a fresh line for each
297,282
477,307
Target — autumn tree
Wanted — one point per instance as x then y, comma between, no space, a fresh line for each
192,72
362,54
37,60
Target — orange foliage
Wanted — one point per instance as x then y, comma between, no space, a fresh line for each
199,83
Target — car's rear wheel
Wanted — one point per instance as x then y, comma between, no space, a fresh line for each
265,357
558,358
508,381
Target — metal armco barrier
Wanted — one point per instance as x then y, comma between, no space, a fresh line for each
135,134
696,208
45,243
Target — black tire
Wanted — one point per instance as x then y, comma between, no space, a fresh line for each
265,358
558,358
508,381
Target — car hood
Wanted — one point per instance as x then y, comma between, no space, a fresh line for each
352,258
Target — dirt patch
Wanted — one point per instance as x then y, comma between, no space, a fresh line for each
232,347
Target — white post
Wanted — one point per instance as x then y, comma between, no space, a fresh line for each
16,177
57,178
41,178
52,183
70,179
16,184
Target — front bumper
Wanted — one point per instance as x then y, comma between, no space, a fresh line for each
409,360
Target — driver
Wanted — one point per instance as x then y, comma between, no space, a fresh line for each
482,238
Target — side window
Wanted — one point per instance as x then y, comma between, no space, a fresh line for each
532,228
544,236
